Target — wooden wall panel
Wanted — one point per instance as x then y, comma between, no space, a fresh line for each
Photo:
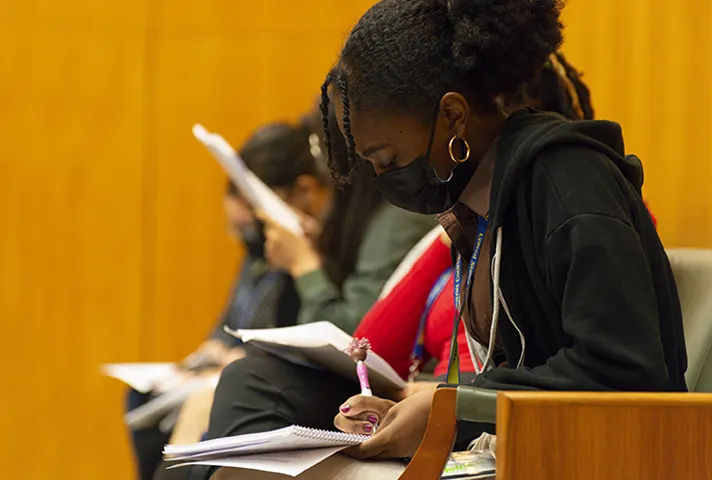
112,244
232,66
71,91
649,66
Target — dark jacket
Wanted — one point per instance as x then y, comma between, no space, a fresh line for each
260,298
583,272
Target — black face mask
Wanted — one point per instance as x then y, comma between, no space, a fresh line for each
253,237
417,188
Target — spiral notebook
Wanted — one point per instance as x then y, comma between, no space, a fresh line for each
284,439
289,450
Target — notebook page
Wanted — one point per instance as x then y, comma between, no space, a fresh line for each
142,377
259,195
284,439
321,334
290,463
152,412
310,335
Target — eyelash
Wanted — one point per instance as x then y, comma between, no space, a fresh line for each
390,164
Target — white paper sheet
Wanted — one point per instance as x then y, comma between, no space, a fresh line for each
259,195
323,344
152,412
142,377
290,463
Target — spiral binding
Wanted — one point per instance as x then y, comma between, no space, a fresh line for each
340,438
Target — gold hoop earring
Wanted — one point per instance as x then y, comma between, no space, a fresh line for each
452,155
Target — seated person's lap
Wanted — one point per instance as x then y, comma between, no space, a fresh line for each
263,392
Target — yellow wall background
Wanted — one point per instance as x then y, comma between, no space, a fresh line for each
112,245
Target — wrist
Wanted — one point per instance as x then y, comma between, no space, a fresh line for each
306,264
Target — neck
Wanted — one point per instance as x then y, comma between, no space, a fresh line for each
482,131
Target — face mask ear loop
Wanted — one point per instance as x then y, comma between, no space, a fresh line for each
430,144
432,130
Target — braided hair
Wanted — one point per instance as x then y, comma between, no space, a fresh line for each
558,88
402,56
352,207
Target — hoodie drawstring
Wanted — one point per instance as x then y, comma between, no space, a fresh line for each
497,300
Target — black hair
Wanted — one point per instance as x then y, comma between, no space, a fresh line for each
558,88
280,153
402,56
351,210
230,189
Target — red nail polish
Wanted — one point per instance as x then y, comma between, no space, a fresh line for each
372,418
345,409
368,428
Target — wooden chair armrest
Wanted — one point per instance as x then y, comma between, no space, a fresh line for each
449,405
434,450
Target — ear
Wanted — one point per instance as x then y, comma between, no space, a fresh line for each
456,111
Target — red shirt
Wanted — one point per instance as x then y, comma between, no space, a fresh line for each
391,325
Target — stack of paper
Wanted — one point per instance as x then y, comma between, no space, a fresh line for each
289,450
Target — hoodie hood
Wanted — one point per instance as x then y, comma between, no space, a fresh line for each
528,133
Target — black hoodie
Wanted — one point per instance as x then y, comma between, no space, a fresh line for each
583,273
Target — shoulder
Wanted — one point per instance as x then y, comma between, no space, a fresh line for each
391,233
569,180
394,221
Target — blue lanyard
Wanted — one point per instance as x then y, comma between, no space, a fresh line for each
416,358
453,369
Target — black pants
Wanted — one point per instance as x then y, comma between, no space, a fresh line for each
147,443
262,392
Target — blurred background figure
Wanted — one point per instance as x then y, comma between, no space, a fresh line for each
262,297
113,247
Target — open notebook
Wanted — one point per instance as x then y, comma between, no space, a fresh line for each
259,195
142,377
322,345
164,381
289,450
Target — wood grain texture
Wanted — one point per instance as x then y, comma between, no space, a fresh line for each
434,451
649,66
112,245
72,98
582,436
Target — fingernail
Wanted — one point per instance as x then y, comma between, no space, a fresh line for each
372,418
368,428
345,408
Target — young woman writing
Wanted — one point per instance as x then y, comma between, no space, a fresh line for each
558,264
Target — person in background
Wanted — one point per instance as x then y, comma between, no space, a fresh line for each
368,238
262,296
341,265
560,271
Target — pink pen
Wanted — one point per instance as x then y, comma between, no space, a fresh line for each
358,350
